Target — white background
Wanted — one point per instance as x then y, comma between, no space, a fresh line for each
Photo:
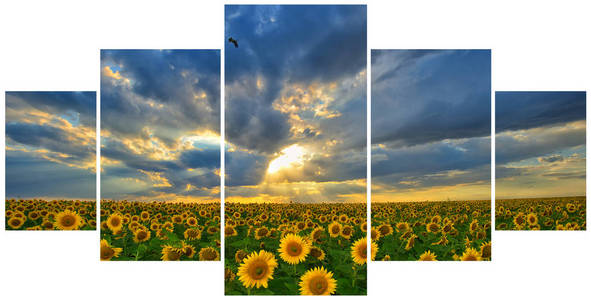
54,45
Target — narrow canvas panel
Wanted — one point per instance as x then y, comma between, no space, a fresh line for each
160,155
431,154
50,161
295,160
540,161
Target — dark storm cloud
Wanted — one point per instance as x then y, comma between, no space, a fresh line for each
551,158
403,181
175,171
286,44
525,110
170,78
422,96
431,158
208,158
254,125
510,148
50,138
243,168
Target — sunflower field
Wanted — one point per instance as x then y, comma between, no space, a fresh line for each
561,213
293,249
38,214
147,231
443,230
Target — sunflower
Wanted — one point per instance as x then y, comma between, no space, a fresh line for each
230,231
47,225
192,234
144,215
532,219
485,250
141,235
363,226
347,231
343,218
442,241
447,227
208,253
177,219
212,229
334,229
433,227
240,255
317,281
519,220
428,256
33,215
410,243
317,234
293,249
67,220
317,252
471,254
15,222
359,251
170,253
188,250
385,229
436,219
229,275
191,221
108,252
257,269
261,232
473,226
115,222
375,234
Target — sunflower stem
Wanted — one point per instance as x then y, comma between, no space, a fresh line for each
354,276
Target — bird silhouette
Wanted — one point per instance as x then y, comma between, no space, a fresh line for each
233,41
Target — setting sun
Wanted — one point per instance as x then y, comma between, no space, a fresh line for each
290,157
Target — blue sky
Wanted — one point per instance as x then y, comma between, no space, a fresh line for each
51,145
160,125
540,144
296,103
431,116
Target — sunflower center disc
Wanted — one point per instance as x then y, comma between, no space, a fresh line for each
68,220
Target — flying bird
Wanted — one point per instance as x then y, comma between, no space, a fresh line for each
233,41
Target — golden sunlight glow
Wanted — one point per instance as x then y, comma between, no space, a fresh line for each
290,157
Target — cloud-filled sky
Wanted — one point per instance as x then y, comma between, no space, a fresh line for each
431,125
540,144
296,103
160,125
51,145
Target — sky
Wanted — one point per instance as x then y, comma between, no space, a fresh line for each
431,125
295,103
540,144
51,145
160,125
